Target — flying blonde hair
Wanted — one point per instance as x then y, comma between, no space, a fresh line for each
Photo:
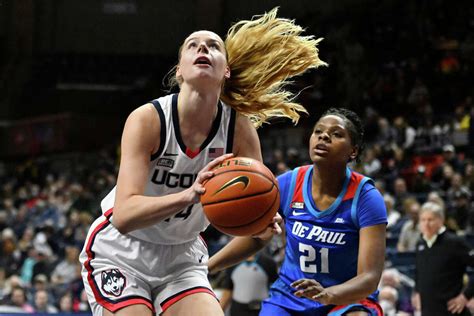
263,54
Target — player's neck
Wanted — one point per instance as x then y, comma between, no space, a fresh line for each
328,181
196,107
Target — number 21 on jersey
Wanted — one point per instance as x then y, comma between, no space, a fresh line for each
308,259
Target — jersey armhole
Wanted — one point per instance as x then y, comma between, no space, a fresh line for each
355,201
230,132
289,197
161,114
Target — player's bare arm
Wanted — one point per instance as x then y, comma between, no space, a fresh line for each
133,210
370,266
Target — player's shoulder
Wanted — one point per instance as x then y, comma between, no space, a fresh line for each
284,177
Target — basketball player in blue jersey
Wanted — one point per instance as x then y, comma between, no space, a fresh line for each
144,255
335,229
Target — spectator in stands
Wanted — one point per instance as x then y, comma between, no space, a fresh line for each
393,216
444,182
401,193
82,305
435,197
458,204
371,164
442,254
388,298
410,233
3,281
449,158
402,284
40,283
65,271
18,299
404,133
27,267
421,184
386,134
43,303
468,178
65,303
42,264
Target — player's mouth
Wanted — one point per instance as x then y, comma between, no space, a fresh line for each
321,148
203,61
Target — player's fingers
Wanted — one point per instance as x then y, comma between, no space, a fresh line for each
319,296
204,175
277,218
217,161
303,283
276,229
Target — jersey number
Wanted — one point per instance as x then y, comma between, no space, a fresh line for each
308,258
183,214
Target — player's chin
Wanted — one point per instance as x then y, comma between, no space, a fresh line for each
315,158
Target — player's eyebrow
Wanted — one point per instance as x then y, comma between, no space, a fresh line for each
210,40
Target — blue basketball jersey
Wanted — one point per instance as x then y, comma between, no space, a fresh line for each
322,244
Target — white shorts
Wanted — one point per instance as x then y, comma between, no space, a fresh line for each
120,270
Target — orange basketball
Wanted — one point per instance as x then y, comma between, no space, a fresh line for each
242,197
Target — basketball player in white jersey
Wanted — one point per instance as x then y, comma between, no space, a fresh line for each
144,255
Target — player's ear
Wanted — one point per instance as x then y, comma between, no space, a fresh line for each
354,153
227,72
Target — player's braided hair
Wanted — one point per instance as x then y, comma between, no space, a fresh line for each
263,54
353,124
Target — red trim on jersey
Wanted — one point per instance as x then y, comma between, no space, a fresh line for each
366,303
168,304
354,181
298,191
109,212
203,240
113,307
191,154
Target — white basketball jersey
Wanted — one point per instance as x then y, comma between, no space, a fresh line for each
174,168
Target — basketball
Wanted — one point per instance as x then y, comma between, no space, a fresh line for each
242,197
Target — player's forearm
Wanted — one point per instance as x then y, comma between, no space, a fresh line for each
234,252
353,290
140,211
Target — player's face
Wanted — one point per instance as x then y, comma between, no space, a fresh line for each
430,224
331,141
203,59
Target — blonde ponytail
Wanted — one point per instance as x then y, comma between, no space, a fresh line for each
263,54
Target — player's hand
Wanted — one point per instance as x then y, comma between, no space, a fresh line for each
456,305
273,229
311,289
197,189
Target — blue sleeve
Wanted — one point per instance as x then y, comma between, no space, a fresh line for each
284,185
371,209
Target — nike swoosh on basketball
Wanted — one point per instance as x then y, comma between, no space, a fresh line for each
295,213
240,179
168,155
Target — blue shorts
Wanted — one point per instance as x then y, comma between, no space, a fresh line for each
371,307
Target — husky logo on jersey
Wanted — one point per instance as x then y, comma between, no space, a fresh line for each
113,282
165,162
173,180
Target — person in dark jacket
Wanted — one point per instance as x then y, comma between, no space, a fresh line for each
441,261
